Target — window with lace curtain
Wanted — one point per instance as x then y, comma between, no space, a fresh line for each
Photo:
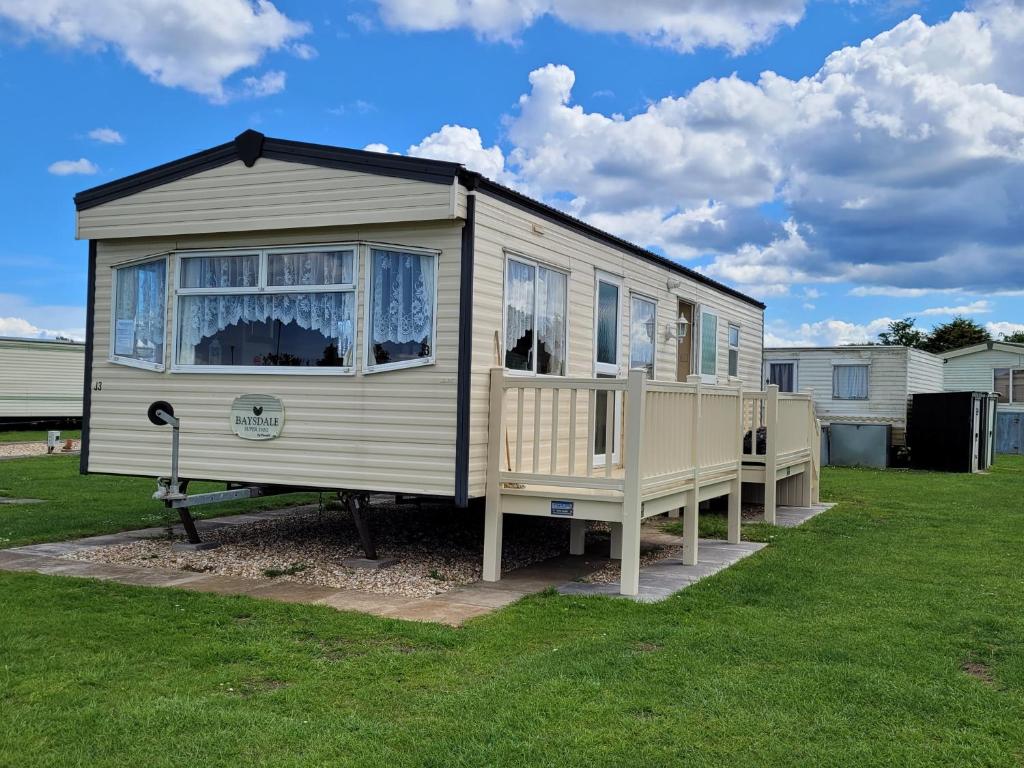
139,314
400,309
267,309
535,318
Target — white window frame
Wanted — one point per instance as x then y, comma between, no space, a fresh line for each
261,287
535,263
1012,370
707,378
629,352
368,248
851,364
736,349
131,361
796,371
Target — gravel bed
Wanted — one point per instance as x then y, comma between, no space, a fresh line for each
15,450
611,571
437,546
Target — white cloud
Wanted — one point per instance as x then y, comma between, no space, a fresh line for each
21,317
382,148
980,307
1003,328
70,167
266,84
305,51
824,333
462,145
679,24
191,44
106,136
899,163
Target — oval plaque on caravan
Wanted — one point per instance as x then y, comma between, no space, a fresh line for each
257,417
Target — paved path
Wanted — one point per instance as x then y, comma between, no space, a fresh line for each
658,580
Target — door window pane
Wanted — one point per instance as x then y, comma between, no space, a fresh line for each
642,320
708,344
519,320
551,312
1018,386
607,323
782,375
1002,385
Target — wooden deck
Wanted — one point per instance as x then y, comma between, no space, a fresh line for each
621,450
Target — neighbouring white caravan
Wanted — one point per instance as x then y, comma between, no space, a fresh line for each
40,381
995,366
370,310
857,385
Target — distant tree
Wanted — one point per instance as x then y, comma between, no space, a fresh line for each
958,332
1017,337
902,333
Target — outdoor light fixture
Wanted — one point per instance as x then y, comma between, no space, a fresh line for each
678,329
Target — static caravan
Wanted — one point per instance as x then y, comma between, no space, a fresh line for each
996,366
317,317
861,394
40,382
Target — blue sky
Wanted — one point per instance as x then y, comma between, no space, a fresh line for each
882,182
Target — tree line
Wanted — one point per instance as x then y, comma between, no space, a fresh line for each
957,333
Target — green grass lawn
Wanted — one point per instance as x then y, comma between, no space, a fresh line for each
39,435
842,643
80,506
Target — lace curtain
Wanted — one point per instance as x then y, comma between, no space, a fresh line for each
200,317
220,271
641,335
850,382
550,321
312,268
519,303
140,309
402,297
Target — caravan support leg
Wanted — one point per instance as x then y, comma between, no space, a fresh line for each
355,506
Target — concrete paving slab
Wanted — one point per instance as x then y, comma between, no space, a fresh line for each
293,592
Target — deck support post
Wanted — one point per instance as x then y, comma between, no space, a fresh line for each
691,518
577,536
735,510
771,454
632,505
615,551
493,519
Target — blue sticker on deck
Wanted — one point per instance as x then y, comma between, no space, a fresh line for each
561,508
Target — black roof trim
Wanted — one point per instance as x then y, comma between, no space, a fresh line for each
473,180
251,145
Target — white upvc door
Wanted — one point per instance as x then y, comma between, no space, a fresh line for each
707,345
607,362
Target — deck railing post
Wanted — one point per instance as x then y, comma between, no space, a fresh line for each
771,453
493,515
636,391
736,488
691,513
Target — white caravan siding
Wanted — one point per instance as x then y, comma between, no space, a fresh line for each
975,372
273,194
41,379
391,430
503,229
894,373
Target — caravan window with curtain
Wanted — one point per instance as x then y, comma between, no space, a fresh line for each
535,317
140,314
642,327
400,309
267,309
850,382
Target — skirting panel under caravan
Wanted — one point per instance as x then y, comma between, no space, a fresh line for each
856,445
1010,433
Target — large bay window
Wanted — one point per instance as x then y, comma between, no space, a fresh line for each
267,309
535,318
139,314
400,309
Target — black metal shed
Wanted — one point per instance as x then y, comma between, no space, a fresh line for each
952,431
